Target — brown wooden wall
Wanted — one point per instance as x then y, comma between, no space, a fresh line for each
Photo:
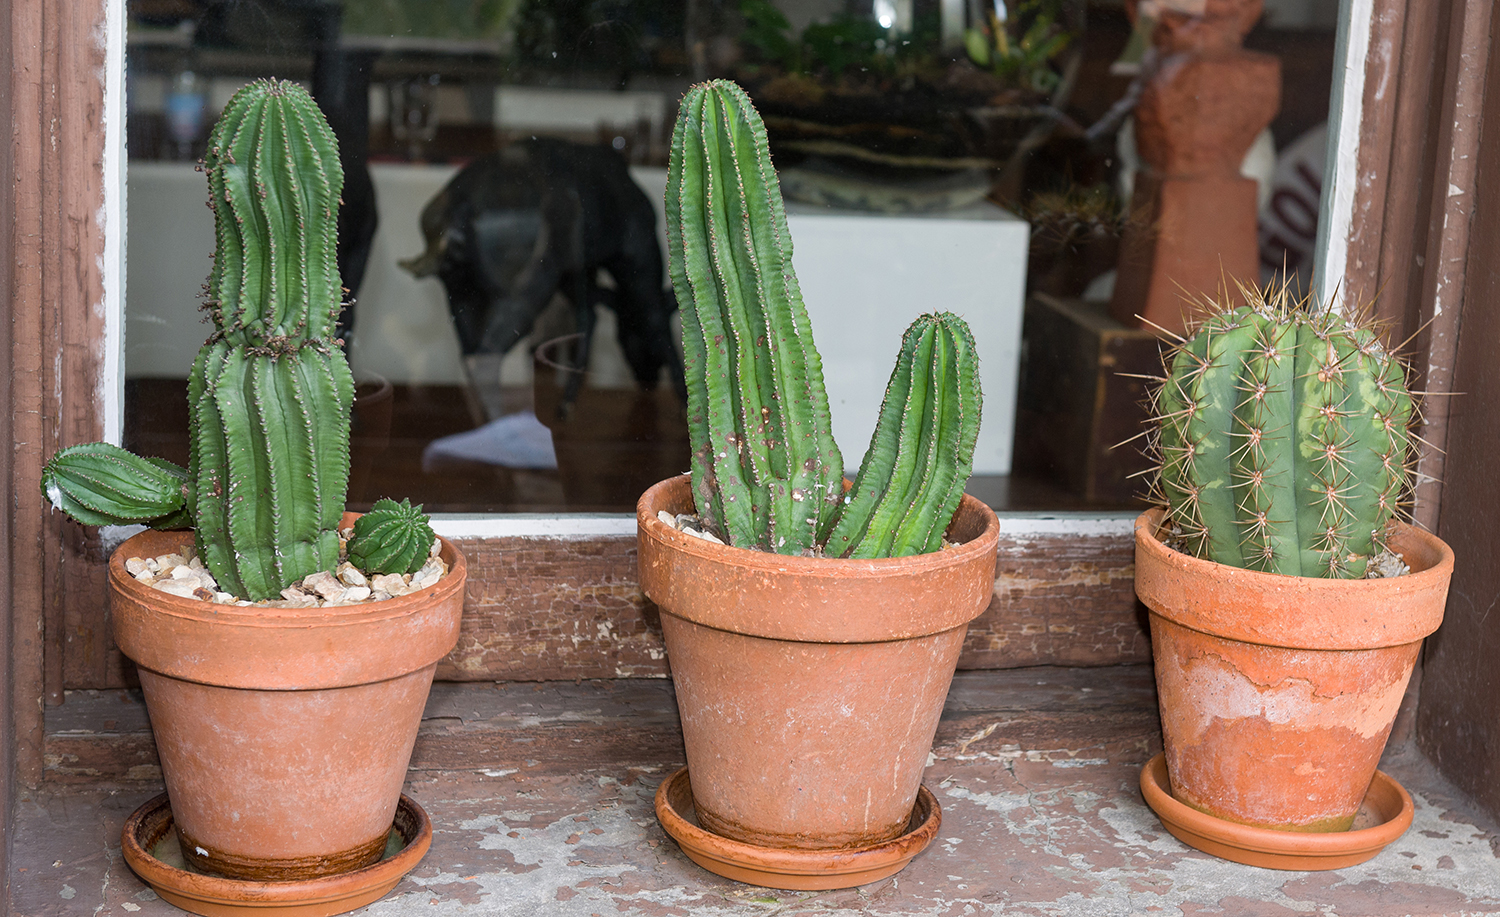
7,606
1458,719
558,608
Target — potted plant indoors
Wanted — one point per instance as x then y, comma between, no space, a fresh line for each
812,642
1281,651
284,731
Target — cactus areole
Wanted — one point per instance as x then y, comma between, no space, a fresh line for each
766,471
1284,439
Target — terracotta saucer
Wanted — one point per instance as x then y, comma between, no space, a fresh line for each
150,847
1384,816
779,867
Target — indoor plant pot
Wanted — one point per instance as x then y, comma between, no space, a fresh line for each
1278,693
812,641
284,733
810,688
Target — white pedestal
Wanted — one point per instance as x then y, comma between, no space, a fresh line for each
864,278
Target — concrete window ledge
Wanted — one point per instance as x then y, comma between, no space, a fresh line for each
541,798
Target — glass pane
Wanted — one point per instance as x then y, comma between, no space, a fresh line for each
505,162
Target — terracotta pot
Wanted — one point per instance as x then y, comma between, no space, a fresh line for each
284,734
1278,692
810,688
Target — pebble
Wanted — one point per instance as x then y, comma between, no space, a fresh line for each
347,585
687,525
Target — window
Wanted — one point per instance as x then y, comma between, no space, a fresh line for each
970,156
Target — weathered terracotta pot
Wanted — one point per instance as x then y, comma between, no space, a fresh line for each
284,734
810,688
1277,692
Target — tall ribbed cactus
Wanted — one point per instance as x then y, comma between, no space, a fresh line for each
1283,438
270,391
923,449
766,471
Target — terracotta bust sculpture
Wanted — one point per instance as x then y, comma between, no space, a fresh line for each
1193,216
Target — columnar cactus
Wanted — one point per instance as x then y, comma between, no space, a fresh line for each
1283,438
766,471
270,391
923,449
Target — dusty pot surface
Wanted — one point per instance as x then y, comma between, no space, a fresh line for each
284,734
810,688
1278,692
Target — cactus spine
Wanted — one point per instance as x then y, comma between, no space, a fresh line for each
1283,438
766,471
270,391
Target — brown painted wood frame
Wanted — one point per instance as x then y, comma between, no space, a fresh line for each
54,167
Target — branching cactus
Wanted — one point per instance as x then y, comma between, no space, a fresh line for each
270,392
766,471
1283,438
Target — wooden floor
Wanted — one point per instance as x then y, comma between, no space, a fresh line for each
387,447
541,795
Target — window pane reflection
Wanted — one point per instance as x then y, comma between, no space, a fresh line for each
505,161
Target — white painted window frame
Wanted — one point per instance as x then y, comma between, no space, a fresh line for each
1352,44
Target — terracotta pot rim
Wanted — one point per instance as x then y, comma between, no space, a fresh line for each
255,896
814,599
261,616
985,541
1298,612
1300,850
229,641
767,863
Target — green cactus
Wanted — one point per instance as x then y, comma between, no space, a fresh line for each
923,449
766,471
391,538
102,484
270,392
1283,438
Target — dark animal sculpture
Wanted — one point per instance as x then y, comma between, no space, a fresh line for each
545,216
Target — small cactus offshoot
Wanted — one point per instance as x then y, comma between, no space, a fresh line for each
391,538
102,484
766,471
1283,438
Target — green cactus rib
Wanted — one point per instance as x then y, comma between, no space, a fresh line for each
102,484
922,451
269,394
766,469
391,538
1283,438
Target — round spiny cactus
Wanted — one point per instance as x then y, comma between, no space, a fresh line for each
391,538
1282,436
